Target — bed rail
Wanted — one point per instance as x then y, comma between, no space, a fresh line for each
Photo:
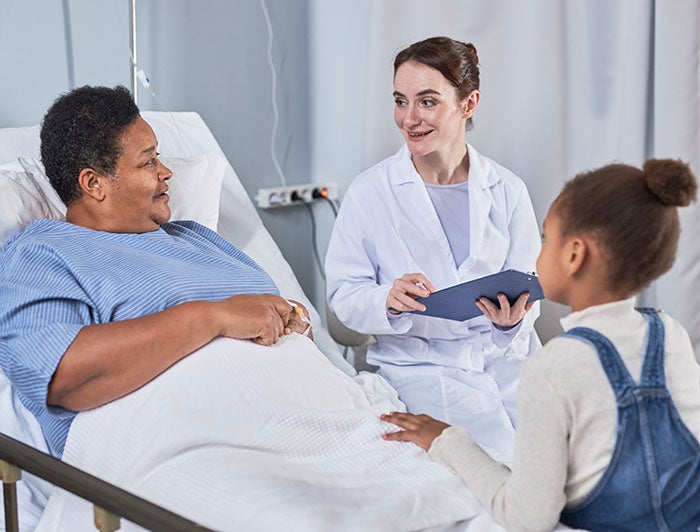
110,502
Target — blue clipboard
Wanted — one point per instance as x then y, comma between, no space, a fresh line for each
458,302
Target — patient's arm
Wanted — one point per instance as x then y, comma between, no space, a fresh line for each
110,360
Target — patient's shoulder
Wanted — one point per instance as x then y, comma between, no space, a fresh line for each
194,232
203,237
40,231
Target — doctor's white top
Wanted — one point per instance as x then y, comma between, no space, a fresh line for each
387,226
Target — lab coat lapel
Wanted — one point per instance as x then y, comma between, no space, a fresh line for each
420,226
480,205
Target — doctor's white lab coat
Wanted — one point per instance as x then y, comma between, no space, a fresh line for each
387,226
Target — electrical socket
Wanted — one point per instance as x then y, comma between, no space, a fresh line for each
270,198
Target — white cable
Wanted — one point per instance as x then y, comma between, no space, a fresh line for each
275,111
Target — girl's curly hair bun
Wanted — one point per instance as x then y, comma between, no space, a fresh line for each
671,181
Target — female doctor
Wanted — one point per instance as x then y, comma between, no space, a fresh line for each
436,214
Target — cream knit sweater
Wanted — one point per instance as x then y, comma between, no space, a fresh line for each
567,419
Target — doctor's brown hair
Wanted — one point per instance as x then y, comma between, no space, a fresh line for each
458,62
632,214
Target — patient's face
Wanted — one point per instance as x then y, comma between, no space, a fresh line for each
137,198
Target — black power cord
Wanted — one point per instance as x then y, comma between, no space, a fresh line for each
317,255
316,193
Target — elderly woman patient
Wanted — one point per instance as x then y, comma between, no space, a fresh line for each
95,307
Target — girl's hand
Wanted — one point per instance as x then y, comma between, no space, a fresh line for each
505,316
403,293
419,429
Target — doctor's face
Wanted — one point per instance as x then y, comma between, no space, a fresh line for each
136,196
427,111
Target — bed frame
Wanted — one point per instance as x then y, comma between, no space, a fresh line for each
110,502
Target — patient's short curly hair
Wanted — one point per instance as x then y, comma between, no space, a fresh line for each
83,129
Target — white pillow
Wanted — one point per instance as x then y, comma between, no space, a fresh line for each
195,187
21,201
36,170
195,190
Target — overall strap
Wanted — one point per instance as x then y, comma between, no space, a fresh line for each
653,374
620,379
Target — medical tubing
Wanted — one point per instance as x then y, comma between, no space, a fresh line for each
317,255
147,85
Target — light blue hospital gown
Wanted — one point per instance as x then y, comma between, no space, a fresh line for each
56,278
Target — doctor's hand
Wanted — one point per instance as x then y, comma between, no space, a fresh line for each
403,293
419,429
506,316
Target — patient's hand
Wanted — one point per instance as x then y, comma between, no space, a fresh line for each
419,429
299,321
258,317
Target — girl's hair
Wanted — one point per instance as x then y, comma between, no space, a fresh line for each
458,62
632,214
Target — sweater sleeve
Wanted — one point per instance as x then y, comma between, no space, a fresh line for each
531,496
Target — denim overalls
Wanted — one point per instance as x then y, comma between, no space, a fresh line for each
653,479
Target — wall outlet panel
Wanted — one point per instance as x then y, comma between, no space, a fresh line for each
273,197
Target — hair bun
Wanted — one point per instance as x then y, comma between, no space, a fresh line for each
472,50
671,181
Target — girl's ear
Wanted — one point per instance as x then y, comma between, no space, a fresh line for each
470,103
576,253
90,183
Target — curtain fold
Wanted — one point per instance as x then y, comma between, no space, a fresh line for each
676,135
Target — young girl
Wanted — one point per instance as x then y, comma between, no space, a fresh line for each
609,422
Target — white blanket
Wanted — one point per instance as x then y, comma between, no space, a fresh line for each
243,437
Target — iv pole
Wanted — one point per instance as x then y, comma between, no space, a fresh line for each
132,30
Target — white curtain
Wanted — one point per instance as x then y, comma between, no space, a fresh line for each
566,86
675,133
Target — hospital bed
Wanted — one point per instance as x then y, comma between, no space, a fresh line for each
338,475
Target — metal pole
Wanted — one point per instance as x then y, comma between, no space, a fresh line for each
132,30
10,475
106,521
10,499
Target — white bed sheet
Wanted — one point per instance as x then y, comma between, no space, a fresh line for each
243,437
